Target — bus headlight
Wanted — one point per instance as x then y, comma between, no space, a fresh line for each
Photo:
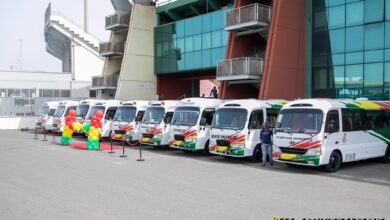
313,152
238,145
276,149
131,132
157,136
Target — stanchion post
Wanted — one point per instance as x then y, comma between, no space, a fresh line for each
36,133
54,138
44,135
123,149
140,153
111,152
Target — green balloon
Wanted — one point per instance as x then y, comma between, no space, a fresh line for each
87,126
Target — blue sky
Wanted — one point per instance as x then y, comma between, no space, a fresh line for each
24,20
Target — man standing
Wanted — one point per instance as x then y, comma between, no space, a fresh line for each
214,92
266,143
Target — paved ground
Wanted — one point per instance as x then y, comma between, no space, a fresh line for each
40,180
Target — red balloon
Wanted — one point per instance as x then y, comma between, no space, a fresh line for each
94,121
72,112
99,114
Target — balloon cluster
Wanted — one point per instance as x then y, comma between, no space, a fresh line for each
68,127
94,131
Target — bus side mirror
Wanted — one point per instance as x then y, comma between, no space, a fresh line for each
203,122
253,125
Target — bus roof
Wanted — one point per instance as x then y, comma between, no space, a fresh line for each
326,104
169,105
253,104
51,104
68,102
200,102
89,101
107,103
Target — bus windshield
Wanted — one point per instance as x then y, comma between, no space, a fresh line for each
306,121
125,113
59,111
153,115
43,110
94,109
230,118
185,116
82,111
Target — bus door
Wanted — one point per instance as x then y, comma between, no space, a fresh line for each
254,127
333,137
204,130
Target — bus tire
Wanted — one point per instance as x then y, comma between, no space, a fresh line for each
257,155
206,150
334,162
386,158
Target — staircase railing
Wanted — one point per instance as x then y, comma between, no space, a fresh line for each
248,13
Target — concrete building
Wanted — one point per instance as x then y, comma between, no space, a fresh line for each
260,49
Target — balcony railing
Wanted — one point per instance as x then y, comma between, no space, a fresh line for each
112,49
105,82
248,17
118,21
240,68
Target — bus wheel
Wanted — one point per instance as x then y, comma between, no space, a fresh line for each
334,162
257,155
206,150
386,158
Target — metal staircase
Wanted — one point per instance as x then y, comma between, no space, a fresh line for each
60,28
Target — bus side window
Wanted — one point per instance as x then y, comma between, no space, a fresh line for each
347,119
168,117
70,108
139,116
110,113
272,114
208,115
332,118
256,119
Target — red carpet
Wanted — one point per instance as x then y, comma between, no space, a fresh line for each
83,146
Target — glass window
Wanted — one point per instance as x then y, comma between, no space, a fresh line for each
320,42
354,58
215,55
189,44
373,75
387,55
180,29
337,17
320,78
387,33
197,42
373,11
189,27
187,116
180,45
387,10
373,56
197,59
332,122
196,25
307,121
353,76
225,36
256,119
337,40
206,58
215,39
230,118
206,41
217,20
387,74
337,59
56,93
319,61
206,23
320,19
181,62
373,36
355,14
354,39
339,76
208,114
336,2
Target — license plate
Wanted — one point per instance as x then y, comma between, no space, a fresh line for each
178,143
287,156
118,136
145,139
221,148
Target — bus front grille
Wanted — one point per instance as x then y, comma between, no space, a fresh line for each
291,150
